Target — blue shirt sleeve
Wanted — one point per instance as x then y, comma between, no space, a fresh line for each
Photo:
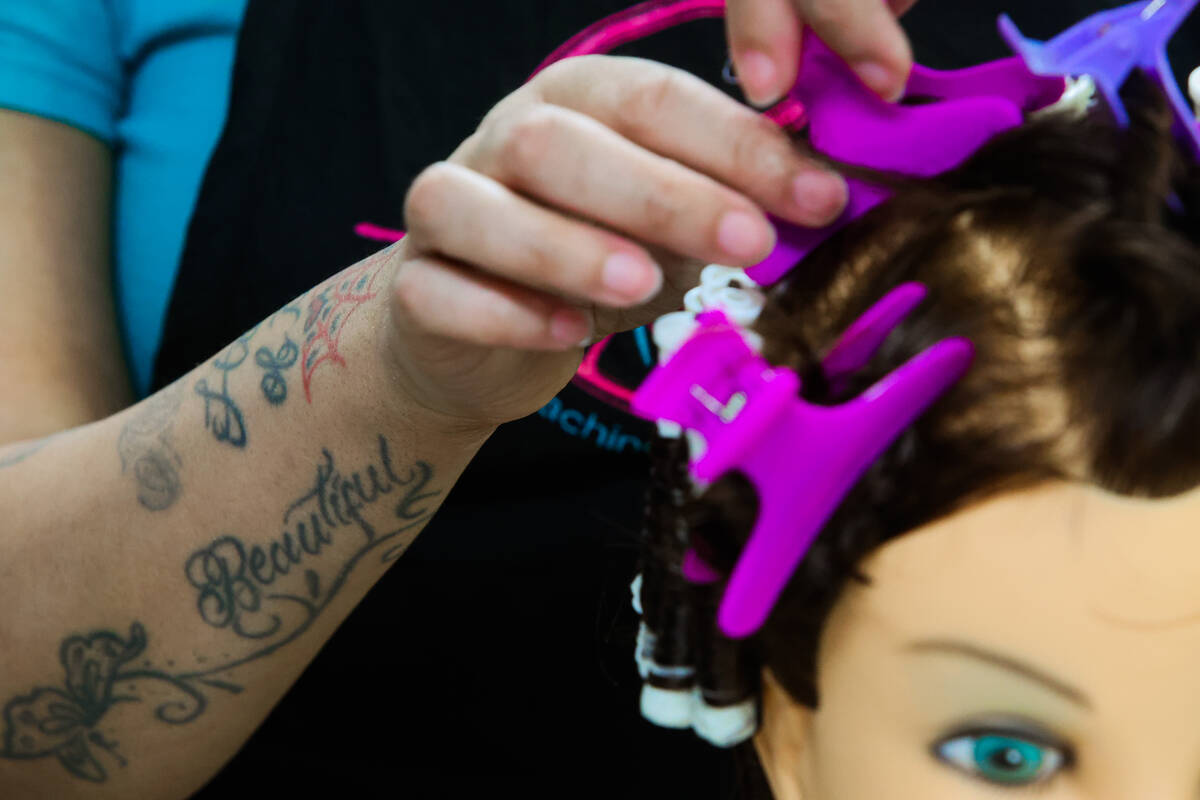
59,59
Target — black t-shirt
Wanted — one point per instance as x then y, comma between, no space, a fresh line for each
496,656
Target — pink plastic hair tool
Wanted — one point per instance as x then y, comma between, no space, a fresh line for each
801,458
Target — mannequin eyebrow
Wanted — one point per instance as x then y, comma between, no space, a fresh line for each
968,650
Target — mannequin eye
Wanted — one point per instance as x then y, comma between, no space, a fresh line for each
1001,758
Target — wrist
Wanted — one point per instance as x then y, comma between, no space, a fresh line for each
398,388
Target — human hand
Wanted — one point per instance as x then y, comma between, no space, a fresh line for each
764,40
586,203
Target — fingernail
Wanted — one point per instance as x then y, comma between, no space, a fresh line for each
743,235
628,277
757,76
879,79
819,196
570,328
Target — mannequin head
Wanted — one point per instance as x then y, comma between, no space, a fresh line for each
1010,596
1047,637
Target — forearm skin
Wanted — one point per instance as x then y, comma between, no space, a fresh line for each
167,573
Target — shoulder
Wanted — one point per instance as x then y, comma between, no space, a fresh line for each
58,60
73,60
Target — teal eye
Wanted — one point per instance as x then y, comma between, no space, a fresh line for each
1001,758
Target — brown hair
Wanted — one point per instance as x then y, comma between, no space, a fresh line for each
1067,252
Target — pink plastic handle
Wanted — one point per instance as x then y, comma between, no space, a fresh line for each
638,22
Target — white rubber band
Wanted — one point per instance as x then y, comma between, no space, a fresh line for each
729,289
643,652
1077,98
667,708
1194,89
724,727
669,430
648,668
670,673
670,331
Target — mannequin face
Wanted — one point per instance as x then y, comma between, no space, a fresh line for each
1044,643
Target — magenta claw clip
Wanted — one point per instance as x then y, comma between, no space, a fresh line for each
850,124
862,339
801,458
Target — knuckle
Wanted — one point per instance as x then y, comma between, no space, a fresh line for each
498,115
558,72
509,104
569,75
528,138
468,151
500,323
642,108
408,289
748,151
757,155
428,196
824,15
542,261
662,208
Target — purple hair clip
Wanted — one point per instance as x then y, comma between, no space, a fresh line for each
1108,46
801,458
850,124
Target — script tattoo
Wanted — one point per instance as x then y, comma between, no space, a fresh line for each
323,313
235,582
274,386
144,445
222,413
237,587
63,721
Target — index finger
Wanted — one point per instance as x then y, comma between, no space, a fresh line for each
764,41
677,115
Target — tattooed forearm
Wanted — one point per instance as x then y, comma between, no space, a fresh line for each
322,316
145,449
251,589
236,582
223,415
63,721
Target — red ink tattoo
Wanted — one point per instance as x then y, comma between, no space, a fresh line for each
329,309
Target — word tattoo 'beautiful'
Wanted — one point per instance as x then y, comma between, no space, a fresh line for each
235,581
144,445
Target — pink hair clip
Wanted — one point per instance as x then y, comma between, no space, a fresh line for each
801,458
